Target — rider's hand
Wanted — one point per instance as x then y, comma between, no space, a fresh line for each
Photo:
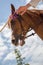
21,10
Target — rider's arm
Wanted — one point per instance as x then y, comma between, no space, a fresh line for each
33,3
21,10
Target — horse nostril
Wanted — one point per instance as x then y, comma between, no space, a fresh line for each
13,41
22,42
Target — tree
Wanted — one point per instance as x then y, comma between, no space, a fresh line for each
18,58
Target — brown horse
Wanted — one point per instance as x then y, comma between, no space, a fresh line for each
20,25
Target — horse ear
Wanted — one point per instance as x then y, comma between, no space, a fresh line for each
12,8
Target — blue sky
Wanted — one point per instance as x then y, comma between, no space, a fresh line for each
32,50
5,7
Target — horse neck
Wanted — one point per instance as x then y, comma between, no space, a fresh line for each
35,19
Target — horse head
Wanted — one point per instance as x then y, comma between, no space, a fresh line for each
16,27
20,25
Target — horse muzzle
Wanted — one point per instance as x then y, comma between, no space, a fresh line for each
18,40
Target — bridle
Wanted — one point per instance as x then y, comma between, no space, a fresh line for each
20,21
19,17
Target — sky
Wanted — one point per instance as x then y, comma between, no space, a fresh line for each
32,50
5,7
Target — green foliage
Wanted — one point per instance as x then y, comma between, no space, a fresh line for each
18,58
26,64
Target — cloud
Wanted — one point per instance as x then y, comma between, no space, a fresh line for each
40,6
10,56
32,50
